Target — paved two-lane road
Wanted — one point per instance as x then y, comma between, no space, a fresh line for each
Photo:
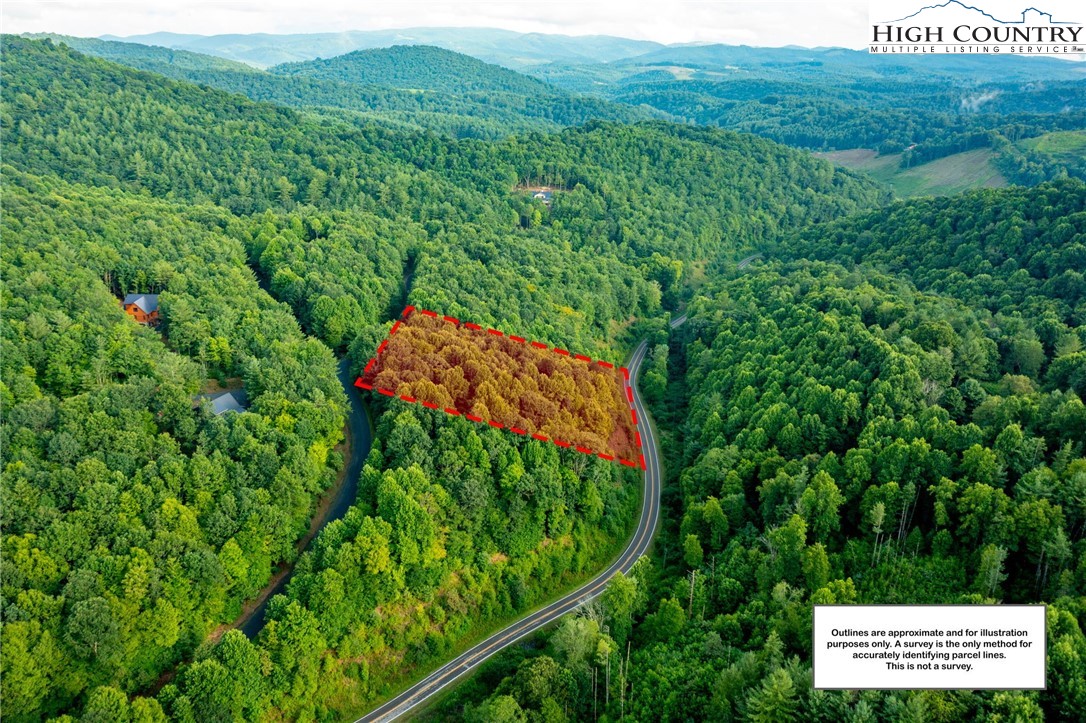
680,320
452,671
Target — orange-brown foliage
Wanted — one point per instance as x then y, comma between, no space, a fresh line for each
520,386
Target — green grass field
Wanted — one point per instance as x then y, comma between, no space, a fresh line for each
1065,148
941,177
1063,145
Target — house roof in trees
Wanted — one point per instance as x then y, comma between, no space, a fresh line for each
235,400
146,302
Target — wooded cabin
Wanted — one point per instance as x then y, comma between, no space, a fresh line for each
142,307
235,400
545,194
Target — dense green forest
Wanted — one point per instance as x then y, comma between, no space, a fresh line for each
1014,252
839,437
435,89
835,99
887,407
820,100
418,67
134,520
138,522
889,116
135,523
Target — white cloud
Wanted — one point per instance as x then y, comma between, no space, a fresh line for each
773,22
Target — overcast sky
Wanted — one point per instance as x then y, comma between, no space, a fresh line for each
770,23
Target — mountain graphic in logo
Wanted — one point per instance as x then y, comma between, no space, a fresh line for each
968,13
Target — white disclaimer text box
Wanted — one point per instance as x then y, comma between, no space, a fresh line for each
966,647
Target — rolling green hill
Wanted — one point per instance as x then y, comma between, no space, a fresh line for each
159,59
417,67
1051,155
1066,147
821,99
996,163
829,99
506,102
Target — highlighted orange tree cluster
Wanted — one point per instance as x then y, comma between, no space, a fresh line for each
506,381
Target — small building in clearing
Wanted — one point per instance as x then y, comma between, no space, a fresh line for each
142,307
235,400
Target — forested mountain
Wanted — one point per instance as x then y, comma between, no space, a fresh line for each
937,118
834,98
170,62
417,67
1015,252
567,56
819,64
817,98
503,102
139,522
1044,157
820,99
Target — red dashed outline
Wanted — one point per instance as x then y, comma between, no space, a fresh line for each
493,423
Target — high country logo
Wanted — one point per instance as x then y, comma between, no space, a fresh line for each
1001,26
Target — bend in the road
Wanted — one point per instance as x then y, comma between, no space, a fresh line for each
747,261
468,661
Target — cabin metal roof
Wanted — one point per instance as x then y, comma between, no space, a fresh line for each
233,401
146,302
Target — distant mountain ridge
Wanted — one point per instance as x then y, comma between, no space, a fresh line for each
970,69
417,67
598,60
492,45
419,86
172,62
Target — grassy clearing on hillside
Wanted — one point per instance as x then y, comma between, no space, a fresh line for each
1065,149
941,177
1064,145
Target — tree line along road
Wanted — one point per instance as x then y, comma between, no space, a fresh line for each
449,673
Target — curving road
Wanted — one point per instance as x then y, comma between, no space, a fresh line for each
680,320
747,261
468,661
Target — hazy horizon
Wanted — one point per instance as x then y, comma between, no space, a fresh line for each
806,23
414,28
